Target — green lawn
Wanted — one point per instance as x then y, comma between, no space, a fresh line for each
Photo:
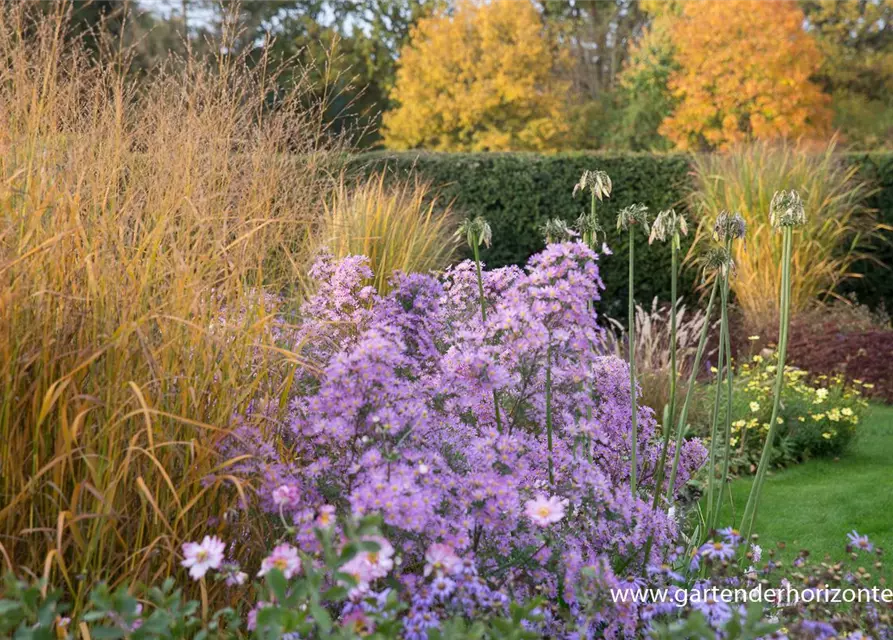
815,504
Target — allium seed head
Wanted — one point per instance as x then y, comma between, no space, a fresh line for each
476,231
720,260
596,182
633,214
557,230
786,210
729,226
668,225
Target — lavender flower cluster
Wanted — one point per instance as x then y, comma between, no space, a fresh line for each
412,406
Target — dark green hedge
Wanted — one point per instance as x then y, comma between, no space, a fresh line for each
518,192
875,287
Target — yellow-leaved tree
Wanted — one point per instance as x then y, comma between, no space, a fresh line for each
479,78
745,73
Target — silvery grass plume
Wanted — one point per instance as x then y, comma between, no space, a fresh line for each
786,210
476,231
633,214
557,230
668,225
598,183
729,226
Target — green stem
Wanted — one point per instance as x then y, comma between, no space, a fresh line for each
724,478
750,511
549,409
720,363
632,367
671,412
683,414
477,263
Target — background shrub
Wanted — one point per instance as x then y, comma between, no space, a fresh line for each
518,192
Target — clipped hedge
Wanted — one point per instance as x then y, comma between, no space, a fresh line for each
518,192
875,287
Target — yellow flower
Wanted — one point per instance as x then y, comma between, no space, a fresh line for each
826,436
821,395
846,411
757,358
779,420
868,385
801,418
834,415
754,338
754,406
740,424
817,416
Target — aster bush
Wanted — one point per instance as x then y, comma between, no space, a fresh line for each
396,416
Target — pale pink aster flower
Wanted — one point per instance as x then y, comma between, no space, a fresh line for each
544,511
326,516
284,558
381,561
286,495
440,558
199,558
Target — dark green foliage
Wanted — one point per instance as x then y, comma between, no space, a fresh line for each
875,287
518,192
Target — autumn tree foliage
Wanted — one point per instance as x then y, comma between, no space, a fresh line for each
745,73
479,78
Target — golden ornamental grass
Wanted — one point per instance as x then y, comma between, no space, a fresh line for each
744,181
396,223
137,225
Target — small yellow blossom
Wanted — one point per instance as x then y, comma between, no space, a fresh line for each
834,415
847,411
826,436
754,406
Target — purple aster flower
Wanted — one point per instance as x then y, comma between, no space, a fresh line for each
717,550
859,542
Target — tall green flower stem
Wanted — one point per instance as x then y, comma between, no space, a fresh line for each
632,368
669,224
628,218
786,212
721,365
727,456
478,232
683,413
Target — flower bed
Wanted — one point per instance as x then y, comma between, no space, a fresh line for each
819,415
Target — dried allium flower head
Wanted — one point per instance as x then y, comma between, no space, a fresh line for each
557,230
587,225
597,182
729,226
633,214
668,225
718,259
786,210
476,231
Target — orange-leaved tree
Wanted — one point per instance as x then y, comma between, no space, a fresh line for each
745,74
479,78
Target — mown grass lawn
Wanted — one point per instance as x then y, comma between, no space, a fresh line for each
815,504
